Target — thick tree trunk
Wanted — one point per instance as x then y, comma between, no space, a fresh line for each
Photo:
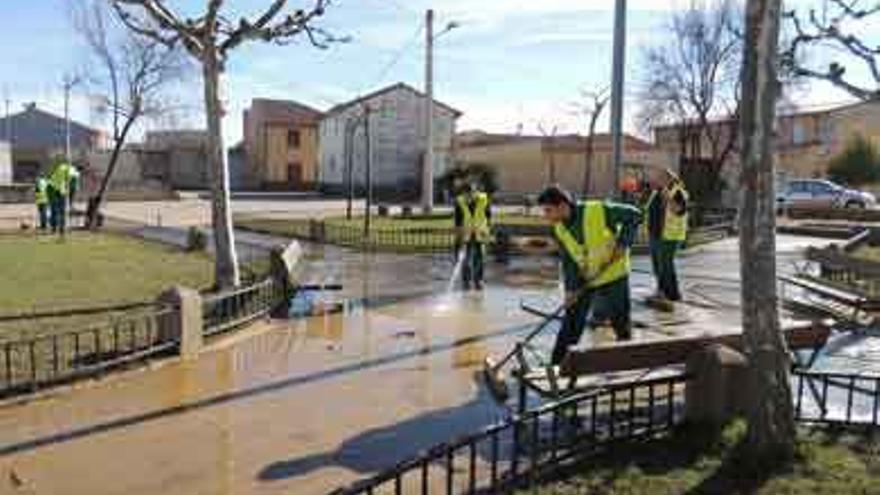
94,211
771,419
226,272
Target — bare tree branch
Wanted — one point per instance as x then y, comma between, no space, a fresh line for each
691,82
816,31
209,39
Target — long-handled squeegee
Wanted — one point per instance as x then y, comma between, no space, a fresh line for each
493,371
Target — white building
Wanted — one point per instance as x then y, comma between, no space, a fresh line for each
5,163
397,142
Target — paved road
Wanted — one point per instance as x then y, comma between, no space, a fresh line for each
302,406
191,211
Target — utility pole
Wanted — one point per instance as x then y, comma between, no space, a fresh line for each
69,83
348,146
428,167
618,64
369,171
8,130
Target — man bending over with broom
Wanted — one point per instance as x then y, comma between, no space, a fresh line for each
594,239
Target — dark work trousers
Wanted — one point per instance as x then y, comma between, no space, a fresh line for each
58,206
473,263
663,261
608,302
43,211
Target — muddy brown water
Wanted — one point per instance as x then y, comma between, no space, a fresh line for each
305,405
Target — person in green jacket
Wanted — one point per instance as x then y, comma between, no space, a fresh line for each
41,199
667,215
473,214
594,239
60,179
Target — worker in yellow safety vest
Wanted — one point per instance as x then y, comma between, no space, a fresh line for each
667,215
594,238
60,179
41,199
473,216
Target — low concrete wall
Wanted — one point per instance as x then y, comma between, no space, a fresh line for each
16,193
284,265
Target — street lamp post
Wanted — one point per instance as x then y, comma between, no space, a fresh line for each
69,83
428,166
617,75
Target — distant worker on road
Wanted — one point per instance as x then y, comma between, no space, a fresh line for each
60,180
594,237
473,215
41,199
667,215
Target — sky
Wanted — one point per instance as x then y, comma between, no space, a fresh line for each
511,64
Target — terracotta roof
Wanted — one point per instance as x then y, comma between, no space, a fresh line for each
388,89
791,113
601,142
286,111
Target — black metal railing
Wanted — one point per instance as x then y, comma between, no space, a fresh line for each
423,239
32,363
223,311
836,398
517,452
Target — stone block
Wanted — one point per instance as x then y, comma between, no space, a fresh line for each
186,323
719,388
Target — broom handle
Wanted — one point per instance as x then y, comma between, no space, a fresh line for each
557,313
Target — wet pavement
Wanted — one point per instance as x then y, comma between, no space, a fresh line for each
304,406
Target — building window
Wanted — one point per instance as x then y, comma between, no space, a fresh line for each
294,174
798,133
293,139
827,131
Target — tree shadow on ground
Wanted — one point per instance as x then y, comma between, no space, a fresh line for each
381,448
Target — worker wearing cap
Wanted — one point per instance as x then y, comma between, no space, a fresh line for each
473,214
667,216
41,199
60,179
594,238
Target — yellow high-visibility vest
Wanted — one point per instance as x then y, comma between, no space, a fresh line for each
599,243
476,222
41,195
674,225
61,177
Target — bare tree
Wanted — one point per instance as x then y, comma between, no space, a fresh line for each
209,39
836,26
133,75
691,81
591,106
771,416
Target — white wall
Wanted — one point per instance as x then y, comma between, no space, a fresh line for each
397,132
5,163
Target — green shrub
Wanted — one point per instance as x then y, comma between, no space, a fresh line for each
858,164
196,240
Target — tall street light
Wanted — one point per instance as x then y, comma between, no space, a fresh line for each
428,166
617,75
69,82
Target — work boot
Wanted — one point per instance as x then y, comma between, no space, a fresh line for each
478,285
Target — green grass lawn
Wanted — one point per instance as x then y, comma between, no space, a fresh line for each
689,463
43,272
